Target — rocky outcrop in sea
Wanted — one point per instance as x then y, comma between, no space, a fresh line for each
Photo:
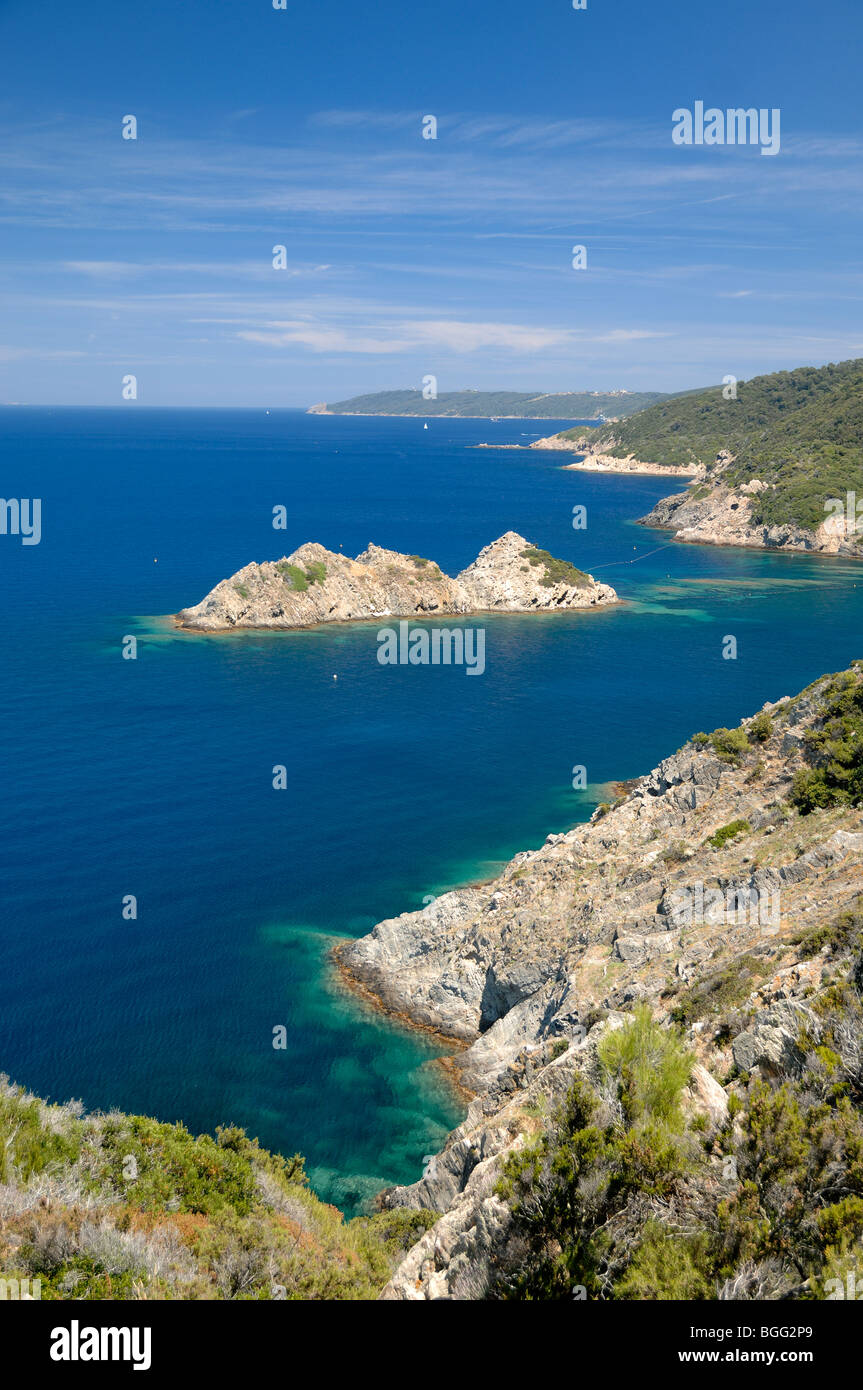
314,585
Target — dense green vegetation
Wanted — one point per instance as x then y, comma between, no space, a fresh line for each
834,747
122,1206
760,728
728,744
562,405
801,431
316,571
604,1147
300,579
555,571
626,1194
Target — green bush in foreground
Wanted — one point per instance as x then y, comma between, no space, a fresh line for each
600,1153
126,1207
622,1198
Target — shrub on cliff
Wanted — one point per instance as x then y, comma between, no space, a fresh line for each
730,744
555,571
619,1197
603,1154
760,728
834,748
648,1068
720,838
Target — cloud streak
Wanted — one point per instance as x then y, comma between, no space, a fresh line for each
448,335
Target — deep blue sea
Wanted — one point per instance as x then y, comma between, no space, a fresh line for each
153,777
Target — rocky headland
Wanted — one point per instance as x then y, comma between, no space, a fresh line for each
662,1015
775,462
721,513
718,875
314,585
595,460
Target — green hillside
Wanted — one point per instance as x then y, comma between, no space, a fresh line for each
113,1206
565,405
801,431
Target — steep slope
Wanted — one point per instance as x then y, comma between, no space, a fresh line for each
122,1207
780,464
712,885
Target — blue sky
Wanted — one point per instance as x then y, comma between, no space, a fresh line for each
303,127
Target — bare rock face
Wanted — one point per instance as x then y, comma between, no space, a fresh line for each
646,903
315,585
704,1096
609,912
724,517
512,576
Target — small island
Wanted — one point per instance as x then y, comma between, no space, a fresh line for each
315,585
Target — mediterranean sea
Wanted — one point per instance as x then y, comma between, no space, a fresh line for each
153,777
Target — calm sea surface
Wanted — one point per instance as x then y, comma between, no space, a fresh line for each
154,777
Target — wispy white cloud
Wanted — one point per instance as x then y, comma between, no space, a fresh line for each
457,249
483,166
233,270
15,354
448,335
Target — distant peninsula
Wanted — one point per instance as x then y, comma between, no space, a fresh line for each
776,462
491,405
315,585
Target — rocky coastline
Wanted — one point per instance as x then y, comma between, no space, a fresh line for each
597,461
712,511
527,971
314,585
723,516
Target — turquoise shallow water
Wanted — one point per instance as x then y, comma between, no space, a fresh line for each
153,777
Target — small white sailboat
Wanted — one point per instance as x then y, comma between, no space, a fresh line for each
426,425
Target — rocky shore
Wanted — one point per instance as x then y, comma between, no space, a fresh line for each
711,511
314,585
597,461
530,969
722,515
